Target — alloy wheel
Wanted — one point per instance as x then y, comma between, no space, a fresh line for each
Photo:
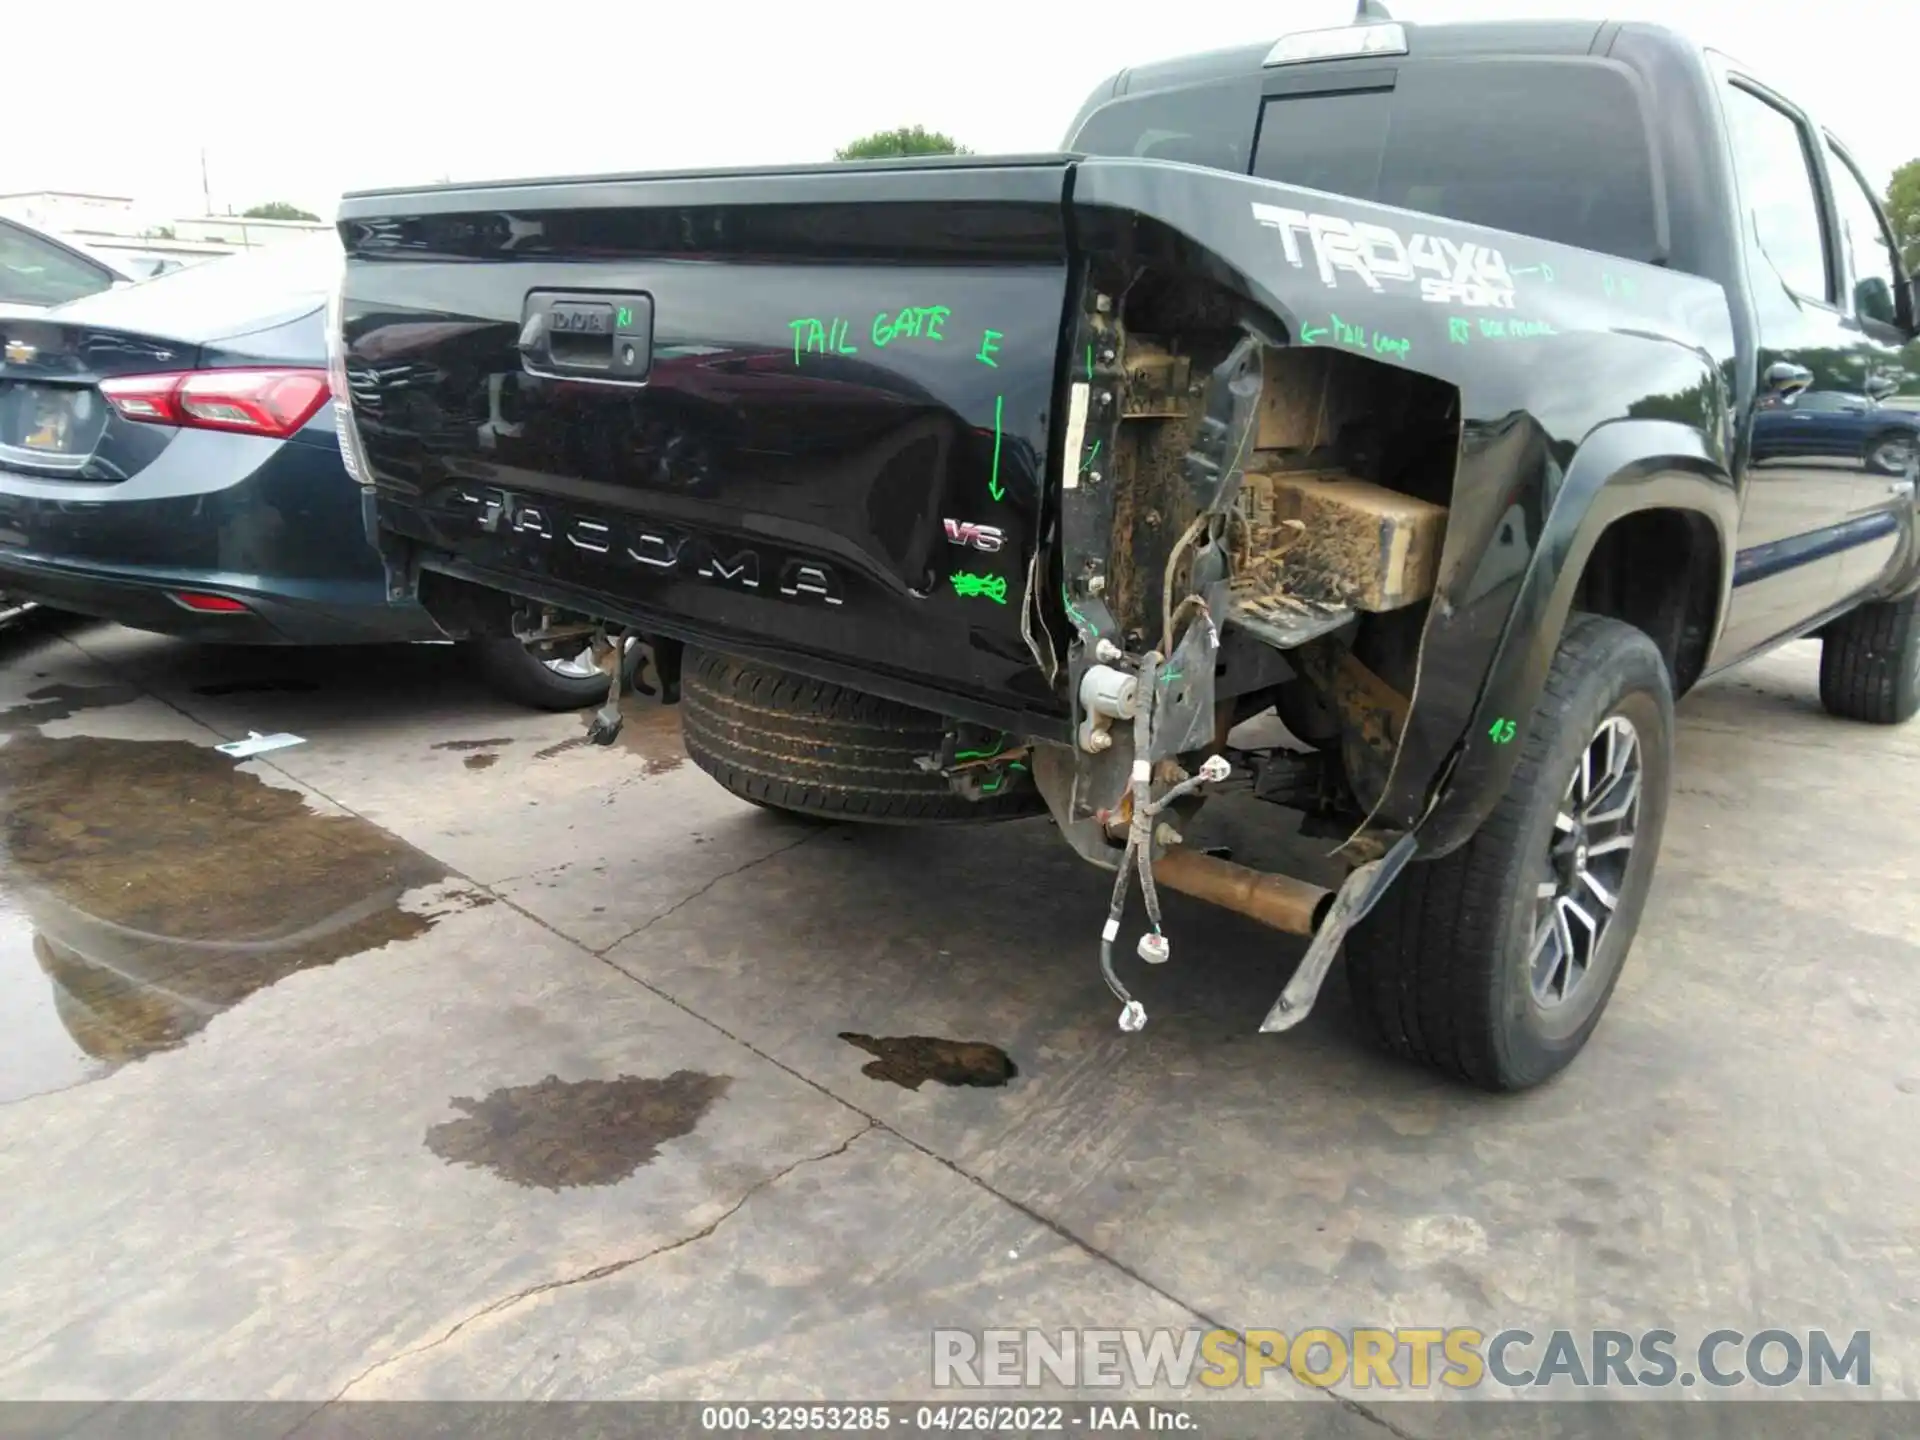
1587,859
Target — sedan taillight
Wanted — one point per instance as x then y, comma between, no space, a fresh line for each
251,402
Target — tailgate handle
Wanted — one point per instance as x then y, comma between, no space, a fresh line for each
587,335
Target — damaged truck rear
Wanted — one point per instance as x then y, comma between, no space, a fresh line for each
1409,383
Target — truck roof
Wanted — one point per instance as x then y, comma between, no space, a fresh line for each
1478,37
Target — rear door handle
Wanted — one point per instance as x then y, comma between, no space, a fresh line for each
587,335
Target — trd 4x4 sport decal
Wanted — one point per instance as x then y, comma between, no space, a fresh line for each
1455,272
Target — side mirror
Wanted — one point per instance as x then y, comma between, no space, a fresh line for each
1875,299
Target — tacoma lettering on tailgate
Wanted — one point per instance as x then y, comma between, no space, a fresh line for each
647,545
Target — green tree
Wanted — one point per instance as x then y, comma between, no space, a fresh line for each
884,144
1903,212
277,210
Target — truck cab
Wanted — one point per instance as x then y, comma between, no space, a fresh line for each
1630,140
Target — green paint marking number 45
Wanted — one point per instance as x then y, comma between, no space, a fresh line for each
1501,731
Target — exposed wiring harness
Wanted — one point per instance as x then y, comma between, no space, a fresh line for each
1138,855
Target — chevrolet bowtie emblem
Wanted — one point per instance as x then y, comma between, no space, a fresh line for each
18,352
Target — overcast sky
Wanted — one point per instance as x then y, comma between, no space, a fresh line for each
298,102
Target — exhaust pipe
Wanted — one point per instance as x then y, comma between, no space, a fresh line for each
1279,901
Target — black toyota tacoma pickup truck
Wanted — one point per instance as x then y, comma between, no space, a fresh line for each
1462,394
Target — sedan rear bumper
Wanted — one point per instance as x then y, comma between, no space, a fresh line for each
312,613
275,525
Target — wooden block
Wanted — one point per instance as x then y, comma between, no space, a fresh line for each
1294,400
1355,543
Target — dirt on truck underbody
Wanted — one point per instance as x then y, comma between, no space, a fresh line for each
1266,536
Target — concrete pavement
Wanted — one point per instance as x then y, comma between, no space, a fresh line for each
445,1056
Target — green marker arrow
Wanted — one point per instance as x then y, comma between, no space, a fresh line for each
993,481
1312,333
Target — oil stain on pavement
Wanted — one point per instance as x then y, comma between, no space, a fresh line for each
146,886
560,1133
912,1060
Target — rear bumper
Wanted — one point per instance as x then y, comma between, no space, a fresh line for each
324,613
273,524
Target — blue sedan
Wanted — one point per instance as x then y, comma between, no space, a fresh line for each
168,460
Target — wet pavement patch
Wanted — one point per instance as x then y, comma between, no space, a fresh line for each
482,761
494,744
561,1133
146,886
61,702
912,1060
653,733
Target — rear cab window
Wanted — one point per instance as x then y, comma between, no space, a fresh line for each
1555,148
1558,147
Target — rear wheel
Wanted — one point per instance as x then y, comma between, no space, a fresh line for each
1870,662
543,677
1495,962
1890,454
790,743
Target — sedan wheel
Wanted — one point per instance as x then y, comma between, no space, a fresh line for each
1892,456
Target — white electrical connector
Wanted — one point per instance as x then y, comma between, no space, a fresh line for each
1215,768
1154,949
1110,692
1133,1018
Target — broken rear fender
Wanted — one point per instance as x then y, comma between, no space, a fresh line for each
1586,387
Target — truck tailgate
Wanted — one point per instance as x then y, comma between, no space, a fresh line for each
799,412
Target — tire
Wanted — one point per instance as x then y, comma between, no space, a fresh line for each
515,671
812,748
1870,662
1890,453
1442,971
